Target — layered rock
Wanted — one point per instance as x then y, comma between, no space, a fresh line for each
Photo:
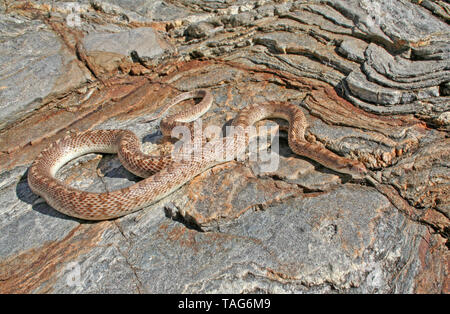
371,77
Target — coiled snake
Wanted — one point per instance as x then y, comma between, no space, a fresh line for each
163,174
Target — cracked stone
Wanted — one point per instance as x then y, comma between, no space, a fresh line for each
370,77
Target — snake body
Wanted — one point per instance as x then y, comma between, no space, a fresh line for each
162,174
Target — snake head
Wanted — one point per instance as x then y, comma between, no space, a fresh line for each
356,169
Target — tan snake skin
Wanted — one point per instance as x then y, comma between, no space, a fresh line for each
163,175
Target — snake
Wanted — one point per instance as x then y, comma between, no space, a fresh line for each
164,174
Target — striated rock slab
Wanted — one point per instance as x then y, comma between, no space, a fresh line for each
143,250
402,24
388,84
371,92
35,65
144,41
430,162
152,10
353,49
436,50
439,8
406,71
140,45
371,77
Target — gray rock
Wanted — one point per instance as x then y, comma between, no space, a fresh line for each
291,43
265,10
34,218
144,41
406,71
330,14
353,49
35,65
318,261
425,107
360,86
282,8
199,30
154,10
389,80
436,50
241,19
438,9
415,82
292,247
401,24
310,17
236,228
432,159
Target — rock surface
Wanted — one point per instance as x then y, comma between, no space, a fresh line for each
372,77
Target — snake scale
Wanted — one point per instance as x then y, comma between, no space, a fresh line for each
163,175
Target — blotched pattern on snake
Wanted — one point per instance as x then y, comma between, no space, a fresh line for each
163,175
